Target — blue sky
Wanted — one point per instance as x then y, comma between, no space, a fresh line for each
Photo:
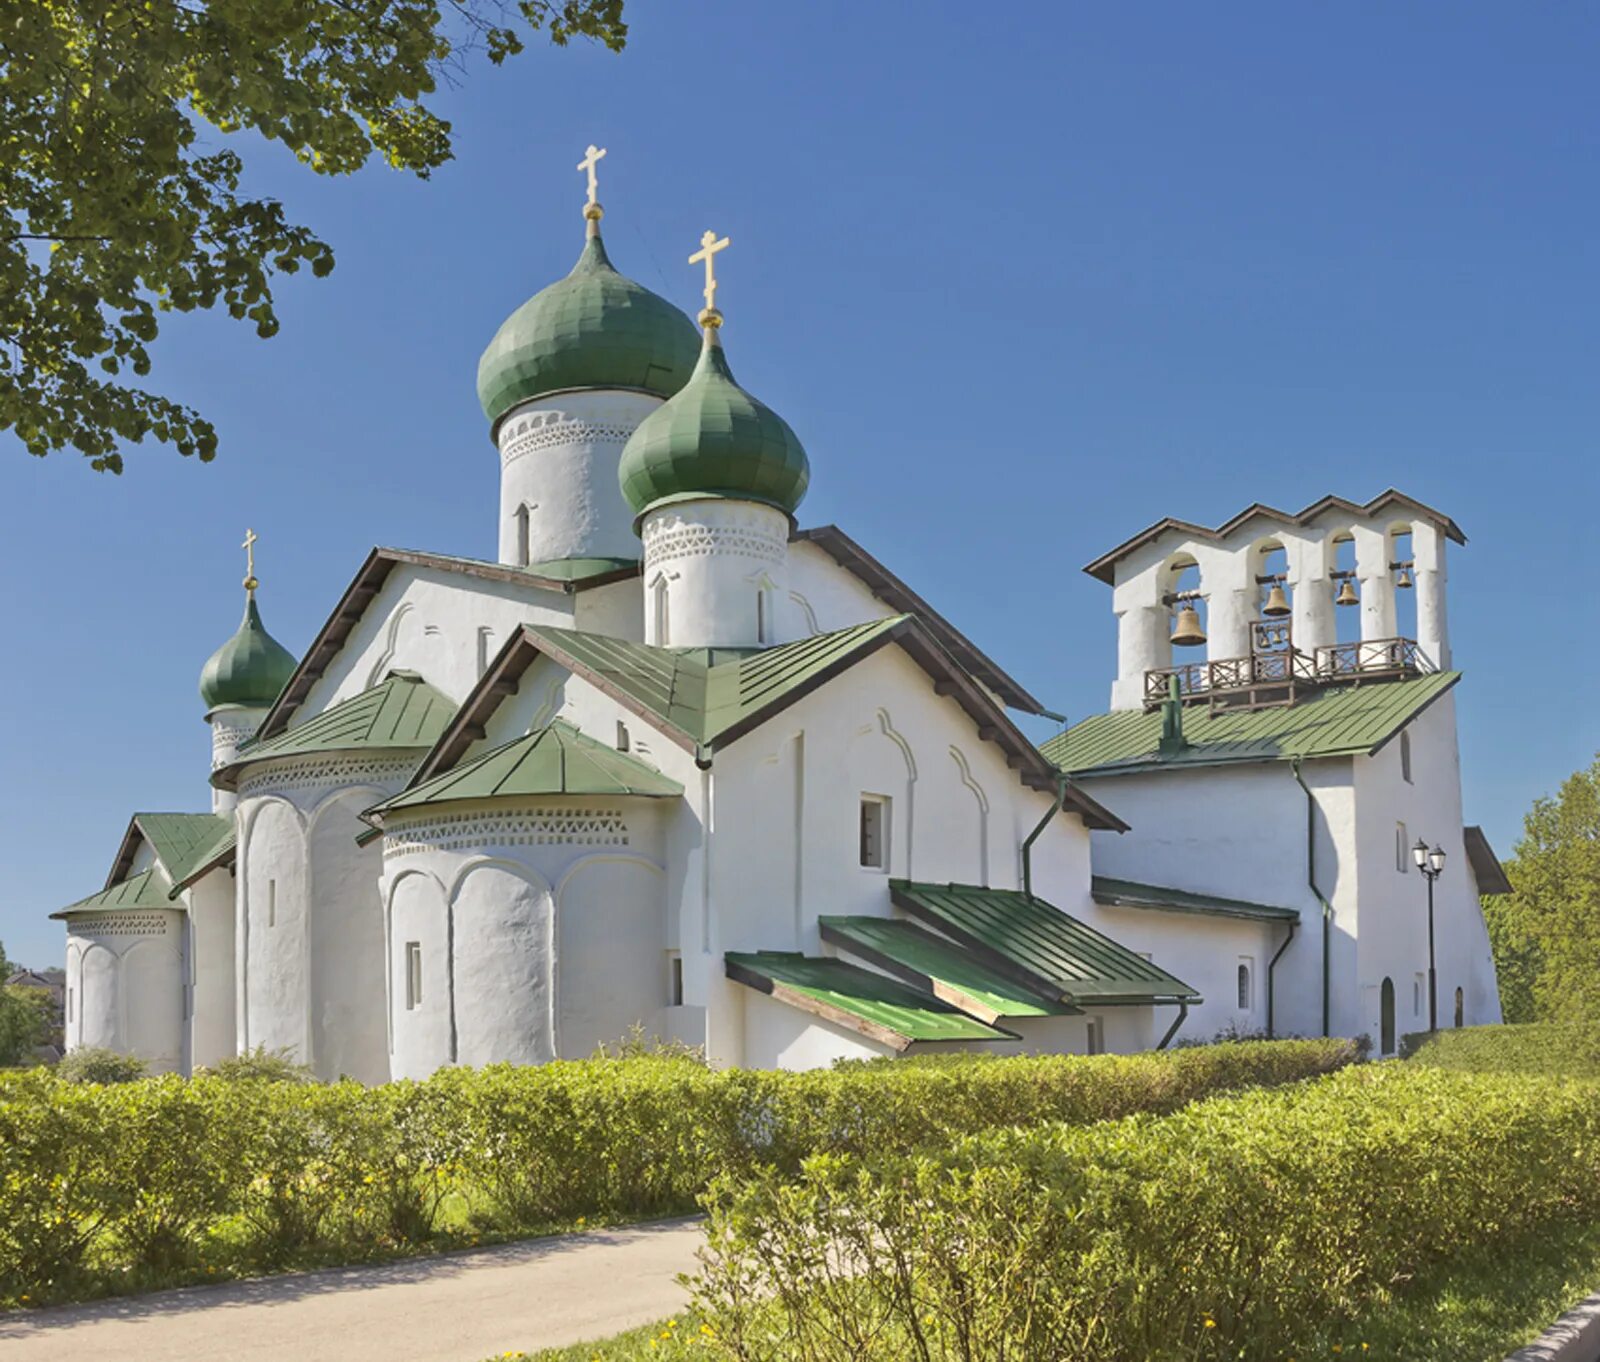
1024,279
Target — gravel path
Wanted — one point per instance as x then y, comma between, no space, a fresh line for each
461,1307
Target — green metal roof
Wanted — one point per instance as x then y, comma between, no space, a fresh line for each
880,1008
713,440
580,569
1039,945
706,696
144,890
1340,721
1129,894
939,967
557,760
593,329
249,669
183,842
402,712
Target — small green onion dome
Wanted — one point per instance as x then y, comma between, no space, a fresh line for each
713,440
593,329
249,669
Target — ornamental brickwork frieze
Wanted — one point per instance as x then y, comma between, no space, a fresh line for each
121,924
668,540
547,430
331,772
513,827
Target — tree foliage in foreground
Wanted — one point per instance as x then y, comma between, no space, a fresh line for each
120,201
1546,935
24,1018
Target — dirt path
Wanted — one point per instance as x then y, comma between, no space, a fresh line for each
459,1308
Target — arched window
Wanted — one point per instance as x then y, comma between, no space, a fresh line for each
763,617
1461,1008
1386,1017
1244,986
658,591
523,537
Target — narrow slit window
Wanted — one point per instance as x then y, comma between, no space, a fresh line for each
662,617
1405,757
622,736
272,903
524,537
73,1016
874,832
1246,996
1402,850
1096,1036
413,975
675,978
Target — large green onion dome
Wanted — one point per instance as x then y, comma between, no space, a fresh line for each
593,329
713,440
249,669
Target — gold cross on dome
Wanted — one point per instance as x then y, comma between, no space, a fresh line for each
249,547
591,159
709,246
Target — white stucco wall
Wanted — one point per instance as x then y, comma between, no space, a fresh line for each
542,926
715,575
126,973
559,493
211,923
309,935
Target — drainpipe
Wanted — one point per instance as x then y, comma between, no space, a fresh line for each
1027,846
1272,964
1183,1013
1311,880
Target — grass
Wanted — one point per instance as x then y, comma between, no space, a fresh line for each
1484,1303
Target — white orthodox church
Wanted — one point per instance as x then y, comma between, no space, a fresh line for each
673,761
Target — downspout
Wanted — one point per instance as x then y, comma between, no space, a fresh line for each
1311,880
1027,845
1183,1013
1272,964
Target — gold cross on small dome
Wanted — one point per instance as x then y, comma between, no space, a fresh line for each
709,246
591,158
249,547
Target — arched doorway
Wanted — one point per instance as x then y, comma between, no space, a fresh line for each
1386,1023
1461,1008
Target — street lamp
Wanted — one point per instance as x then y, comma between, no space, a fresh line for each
1431,864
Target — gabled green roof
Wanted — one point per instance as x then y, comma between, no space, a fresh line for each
882,1009
939,967
557,760
145,890
184,841
1341,721
1039,945
1130,894
401,713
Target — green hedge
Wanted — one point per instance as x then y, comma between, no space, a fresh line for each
1240,1227
167,1178
1533,1048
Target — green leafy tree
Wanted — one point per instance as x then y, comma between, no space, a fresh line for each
1546,934
24,1018
119,204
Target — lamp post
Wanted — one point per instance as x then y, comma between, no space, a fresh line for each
1431,864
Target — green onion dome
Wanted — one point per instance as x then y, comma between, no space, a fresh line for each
593,329
713,440
249,669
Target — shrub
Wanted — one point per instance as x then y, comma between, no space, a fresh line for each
273,1066
1238,1227
145,1175
1532,1048
94,1065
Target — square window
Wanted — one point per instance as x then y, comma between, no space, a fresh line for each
875,832
413,975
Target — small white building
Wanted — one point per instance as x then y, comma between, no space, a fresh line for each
673,762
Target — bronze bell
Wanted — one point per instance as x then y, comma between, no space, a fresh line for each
1187,633
1347,594
1403,581
1277,605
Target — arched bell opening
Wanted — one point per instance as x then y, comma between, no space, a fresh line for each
1186,609
1402,575
1274,594
1346,588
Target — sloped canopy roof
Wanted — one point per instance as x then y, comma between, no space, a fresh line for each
1104,567
400,713
556,760
1039,945
1114,893
705,700
882,1009
940,967
145,890
1337,722
1487,871
182,842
